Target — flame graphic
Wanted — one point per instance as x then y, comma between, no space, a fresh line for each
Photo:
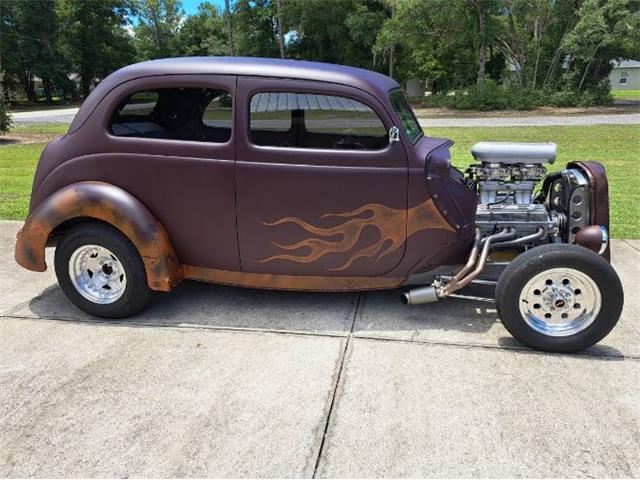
390,223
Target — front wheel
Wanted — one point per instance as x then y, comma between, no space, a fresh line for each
101,272
559,298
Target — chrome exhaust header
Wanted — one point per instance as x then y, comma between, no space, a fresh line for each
464,276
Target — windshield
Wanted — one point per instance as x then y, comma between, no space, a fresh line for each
408,120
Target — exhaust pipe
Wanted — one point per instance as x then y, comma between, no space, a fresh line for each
418,296
477,259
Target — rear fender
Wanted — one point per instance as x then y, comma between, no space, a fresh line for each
112,205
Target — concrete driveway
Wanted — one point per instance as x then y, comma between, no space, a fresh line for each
224,382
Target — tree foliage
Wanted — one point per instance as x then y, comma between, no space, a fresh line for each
558,47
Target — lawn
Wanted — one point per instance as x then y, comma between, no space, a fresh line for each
628,94
616,146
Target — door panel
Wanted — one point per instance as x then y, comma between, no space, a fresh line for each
187,185
315,211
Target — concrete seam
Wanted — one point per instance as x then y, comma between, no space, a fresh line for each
336,386
631,245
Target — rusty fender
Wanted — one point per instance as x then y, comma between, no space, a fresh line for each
112,205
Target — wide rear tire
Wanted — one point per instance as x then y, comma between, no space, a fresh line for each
559,298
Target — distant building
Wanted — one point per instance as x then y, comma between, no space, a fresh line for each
625,75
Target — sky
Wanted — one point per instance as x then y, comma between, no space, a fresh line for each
191,6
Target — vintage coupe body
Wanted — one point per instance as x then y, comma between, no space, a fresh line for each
306,176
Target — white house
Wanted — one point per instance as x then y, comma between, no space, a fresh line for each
625,75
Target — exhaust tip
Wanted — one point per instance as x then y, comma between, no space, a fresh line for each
418,296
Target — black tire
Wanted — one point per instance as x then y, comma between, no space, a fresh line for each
526,266
136,294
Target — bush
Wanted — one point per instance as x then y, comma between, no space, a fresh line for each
5,119
492,96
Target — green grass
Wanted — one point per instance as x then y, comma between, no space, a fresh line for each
632,94
616,146
17,166
46,128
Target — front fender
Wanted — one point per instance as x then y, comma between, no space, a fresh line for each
112,205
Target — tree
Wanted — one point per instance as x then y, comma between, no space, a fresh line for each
255,28
484,13
30,33
433,40
599,35
159,22
95,38
330,31
202,33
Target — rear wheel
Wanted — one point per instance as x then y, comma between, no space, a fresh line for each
101,272
559,298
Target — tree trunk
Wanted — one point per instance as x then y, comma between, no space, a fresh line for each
227,14
482,59
6,91
586,69
85,84
392,49
280,27
555,61
538,32
47,90
30,87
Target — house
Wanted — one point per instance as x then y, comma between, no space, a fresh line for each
625,75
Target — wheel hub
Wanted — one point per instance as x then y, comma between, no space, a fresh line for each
560,302
97,274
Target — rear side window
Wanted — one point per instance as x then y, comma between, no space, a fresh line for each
195,114
302,120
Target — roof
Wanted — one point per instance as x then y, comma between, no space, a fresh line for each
626,64
373,82
260,67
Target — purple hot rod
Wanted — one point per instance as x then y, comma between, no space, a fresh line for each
297,175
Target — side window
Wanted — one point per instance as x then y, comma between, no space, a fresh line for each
195,114
301,120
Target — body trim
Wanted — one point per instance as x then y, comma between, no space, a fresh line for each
290,282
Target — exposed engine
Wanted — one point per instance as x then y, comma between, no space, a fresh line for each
508,180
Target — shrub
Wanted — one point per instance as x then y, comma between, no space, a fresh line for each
5,119
492,96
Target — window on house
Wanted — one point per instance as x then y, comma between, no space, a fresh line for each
623,78
195,114
301,120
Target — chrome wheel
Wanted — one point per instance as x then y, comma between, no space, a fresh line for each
560,302
97,274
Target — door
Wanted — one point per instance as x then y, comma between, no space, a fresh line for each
174,149
319,189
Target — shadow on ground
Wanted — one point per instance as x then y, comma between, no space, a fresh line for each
200,304
378,315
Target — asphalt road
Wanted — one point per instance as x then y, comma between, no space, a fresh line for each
67,114
213,381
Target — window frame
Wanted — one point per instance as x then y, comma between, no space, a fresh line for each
399,120
170,147
258,91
